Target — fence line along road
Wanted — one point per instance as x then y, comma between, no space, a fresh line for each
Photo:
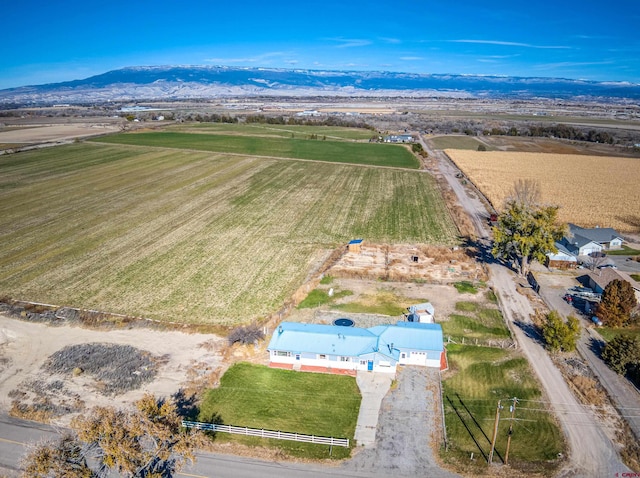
259,432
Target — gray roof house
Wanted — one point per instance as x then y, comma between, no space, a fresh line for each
607,237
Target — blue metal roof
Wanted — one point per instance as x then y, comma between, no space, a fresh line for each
413,336
298,337
355,241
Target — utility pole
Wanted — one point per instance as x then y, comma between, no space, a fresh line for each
513,413
495,432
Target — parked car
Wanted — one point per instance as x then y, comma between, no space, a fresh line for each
607,266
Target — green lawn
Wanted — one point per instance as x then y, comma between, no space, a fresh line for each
625,251
457,142
475,321
609,333
479,377
318,297
316,150
256,396
466,287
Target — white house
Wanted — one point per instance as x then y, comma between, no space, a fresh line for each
345,350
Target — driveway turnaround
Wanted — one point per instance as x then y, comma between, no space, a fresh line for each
406,425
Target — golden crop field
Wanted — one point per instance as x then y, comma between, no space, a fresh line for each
187,236
590,190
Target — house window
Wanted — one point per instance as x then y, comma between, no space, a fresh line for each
363,362
322,357
344,359
280,353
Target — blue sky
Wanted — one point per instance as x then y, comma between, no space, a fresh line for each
71,39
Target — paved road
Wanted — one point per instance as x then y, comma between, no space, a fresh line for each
591,454
15,434
624,395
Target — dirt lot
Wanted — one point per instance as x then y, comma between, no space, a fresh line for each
47,133
25,346
440,265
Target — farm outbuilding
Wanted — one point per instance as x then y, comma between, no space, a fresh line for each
563,259
424,313
346,350
354,246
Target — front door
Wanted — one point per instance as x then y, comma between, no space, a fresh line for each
297,356
370,365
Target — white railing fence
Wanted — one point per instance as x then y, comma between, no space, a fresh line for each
259,432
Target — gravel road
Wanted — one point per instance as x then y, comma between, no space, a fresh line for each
407,426
591,453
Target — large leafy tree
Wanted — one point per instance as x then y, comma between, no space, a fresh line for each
148,442
622,354
560,335
618,301
526,230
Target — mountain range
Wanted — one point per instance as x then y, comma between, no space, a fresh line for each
205,82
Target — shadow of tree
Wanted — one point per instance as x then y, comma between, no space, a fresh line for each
531,331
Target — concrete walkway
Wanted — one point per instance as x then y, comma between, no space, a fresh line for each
373,388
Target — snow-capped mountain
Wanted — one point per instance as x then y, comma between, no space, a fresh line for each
191,82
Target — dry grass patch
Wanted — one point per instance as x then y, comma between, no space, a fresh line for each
591,190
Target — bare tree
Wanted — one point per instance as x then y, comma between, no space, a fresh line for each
525,192
596,259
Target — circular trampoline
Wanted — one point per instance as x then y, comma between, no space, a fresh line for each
344,322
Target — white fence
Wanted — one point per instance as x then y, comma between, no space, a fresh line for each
258,432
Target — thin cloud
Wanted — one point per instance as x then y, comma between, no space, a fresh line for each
350,42
411,58
394,41
509,43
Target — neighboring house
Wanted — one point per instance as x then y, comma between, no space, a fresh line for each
634,283
424,313
600,278
580,246
606,237
563,259
345,350
399,138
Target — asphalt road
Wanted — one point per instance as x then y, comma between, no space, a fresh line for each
16,434
624,395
